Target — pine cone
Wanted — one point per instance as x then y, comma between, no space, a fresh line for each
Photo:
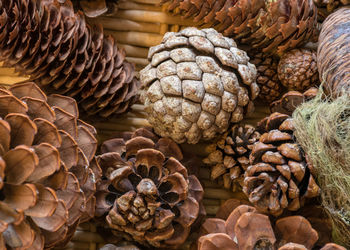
267,79
297,69
246,228
48,169
270,26
196,84
279,176
125,246
326,7
291,100
63,54
148,195
229,156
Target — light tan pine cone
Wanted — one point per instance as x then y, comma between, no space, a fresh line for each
197,83
147,195
280,176
64,55
229,156
47,168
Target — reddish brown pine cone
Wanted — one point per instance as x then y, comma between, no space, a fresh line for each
64,55
147,195
297,69
279,177
47,168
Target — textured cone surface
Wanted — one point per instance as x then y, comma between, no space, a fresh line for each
47,167
196,84
147,195
333,52
267,78
326,7
229,156
269,26
297,69
279,176
64,55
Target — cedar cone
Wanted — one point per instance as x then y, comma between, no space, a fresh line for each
197,82
48,170
267,78
297,69
147,195
279,176
291,100
229,156
63,54
333,53
269,26
248,229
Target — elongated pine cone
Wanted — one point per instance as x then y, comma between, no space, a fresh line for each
64,55
267,78
246,228
147,195
280,176
229,156
47,168
269,26
297,69
197,83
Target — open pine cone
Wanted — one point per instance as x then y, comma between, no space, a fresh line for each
247,229
197,82
270,26
147,195
47,168
280,175
64,55
229,155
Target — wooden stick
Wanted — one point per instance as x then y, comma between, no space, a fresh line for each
133,5
138,61
134,51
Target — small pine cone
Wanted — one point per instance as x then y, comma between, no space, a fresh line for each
64,55
297,69
147,195
268,26
326,7
197,83
267,78
279,176
229,156
47,168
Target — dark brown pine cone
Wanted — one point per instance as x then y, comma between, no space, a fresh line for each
280,175
147,195
63,54
229,156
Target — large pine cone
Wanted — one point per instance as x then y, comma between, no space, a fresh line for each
63,54
196,84
229,156
279,176
246,228
270,26
148,195
47,168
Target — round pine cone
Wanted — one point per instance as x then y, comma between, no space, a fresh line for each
229,156
297,69
64,55
196,84
280,175
47,168
267,78
147,195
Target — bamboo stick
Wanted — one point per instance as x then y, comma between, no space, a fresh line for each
84,236
134,51
135,38
217,193
138,61
133,5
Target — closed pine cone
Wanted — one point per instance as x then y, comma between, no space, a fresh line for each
63,54
267,78
196,84
297,69
229,156
269,26
47,168
148,196
279,177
